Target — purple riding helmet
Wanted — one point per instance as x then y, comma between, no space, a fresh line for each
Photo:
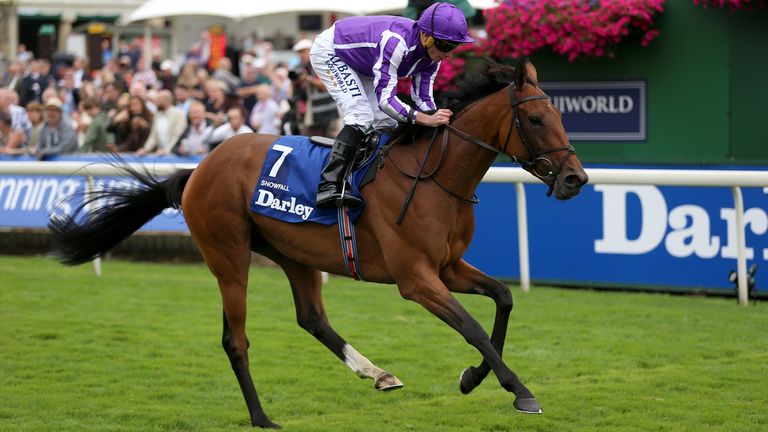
446,24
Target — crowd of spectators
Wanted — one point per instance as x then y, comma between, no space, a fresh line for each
157,107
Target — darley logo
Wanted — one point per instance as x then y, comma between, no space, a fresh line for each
267,199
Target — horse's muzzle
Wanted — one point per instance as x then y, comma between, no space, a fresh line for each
569,183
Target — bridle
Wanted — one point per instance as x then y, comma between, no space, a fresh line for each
538,163
532,164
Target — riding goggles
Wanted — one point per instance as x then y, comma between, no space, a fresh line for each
445,46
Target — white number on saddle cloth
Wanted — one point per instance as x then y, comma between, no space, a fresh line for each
284,150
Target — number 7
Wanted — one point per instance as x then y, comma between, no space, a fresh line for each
284,150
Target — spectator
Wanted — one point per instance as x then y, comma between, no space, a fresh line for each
254,76
183,98
234,126
98,138
35,115
167,126
144,75
69,93
314,106
57,135
264,116
194,140
110,93
79,74
166,79
131,126
224,73
23,55
13,76
11,140
18,114
106,51
218,102
34,83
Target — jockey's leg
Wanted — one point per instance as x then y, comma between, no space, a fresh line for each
332,178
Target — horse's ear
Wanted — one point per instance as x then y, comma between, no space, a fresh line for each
521,72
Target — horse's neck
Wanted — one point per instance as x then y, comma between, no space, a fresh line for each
466,163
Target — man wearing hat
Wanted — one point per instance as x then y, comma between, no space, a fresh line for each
315,107
360,59
57,135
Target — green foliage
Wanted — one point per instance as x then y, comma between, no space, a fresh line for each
138,349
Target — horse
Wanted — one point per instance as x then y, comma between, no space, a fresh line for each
500,111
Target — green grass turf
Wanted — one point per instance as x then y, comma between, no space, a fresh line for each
138,349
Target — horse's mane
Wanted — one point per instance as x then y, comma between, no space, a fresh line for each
487,79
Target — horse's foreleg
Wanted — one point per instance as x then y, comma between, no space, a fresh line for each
306,285
463,278
425,288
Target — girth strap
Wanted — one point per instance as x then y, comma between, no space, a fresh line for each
349,244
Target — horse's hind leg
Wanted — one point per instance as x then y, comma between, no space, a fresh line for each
306,285
226,249
463,278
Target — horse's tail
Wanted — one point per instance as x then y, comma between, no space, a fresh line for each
114,215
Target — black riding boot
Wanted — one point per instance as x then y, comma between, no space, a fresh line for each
332,177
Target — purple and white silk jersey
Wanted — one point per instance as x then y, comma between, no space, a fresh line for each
385,48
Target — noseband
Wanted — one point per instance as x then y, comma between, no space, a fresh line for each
538,163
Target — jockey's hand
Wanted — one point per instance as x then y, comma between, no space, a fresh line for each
439,117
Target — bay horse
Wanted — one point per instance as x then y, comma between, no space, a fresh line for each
501,110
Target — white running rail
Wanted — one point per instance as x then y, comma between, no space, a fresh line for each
659,177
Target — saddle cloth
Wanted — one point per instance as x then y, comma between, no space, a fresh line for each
288,182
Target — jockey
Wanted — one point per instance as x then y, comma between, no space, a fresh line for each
359,59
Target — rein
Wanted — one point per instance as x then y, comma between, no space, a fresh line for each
538,163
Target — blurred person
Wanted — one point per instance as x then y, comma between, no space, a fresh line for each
218,102
34,83
139,90
98,138
13,76
131,126
144,75
124,73
265,114
24,55
35,113
188,76
18,115
253,77
57,135
183,98
224,74
81,120
360,59
68,93
314,106
79,74
106,51
166,78
110,93
167,126
235,125
194,140
11,140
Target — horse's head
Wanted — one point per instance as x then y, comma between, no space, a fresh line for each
544,149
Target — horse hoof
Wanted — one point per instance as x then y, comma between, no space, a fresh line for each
467,381
528,406
388,382
264,423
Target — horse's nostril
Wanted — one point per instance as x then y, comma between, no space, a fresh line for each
573,181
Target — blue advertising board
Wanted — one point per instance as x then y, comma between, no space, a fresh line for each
601,110
622,236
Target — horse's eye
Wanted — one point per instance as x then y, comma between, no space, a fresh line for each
535,121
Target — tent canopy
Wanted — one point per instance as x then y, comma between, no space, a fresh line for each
237,9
